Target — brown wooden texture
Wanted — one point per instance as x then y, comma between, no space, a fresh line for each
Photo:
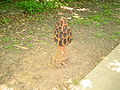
63,34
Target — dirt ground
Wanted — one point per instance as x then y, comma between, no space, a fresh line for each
26,65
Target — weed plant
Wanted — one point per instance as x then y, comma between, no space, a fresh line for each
35,6
30,6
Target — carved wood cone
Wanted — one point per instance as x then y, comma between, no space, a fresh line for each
63,37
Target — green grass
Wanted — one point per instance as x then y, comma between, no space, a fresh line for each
100,35
35,6
7,39
118,33
111,5
29,45
113,37
29,39
30,6
86,22
104,16
5,20
31,32
16,42
40,18
13,41
4,7
75,82
10,47
98,19
101,18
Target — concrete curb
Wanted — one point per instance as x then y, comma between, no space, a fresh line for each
105,76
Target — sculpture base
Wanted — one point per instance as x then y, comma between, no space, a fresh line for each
60,56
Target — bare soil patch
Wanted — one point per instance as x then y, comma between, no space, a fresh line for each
25,59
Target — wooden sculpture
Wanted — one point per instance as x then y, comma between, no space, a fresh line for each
63,37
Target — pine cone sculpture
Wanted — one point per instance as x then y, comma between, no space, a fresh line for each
63,34
63,37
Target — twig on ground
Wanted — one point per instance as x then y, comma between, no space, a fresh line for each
21,47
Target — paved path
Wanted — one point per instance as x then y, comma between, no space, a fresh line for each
105,76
